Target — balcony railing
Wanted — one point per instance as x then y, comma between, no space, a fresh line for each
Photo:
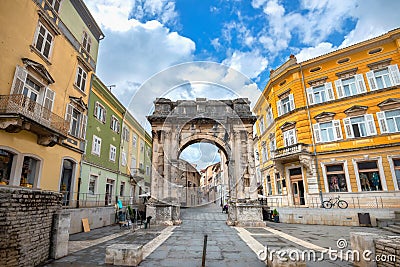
291,150
22,105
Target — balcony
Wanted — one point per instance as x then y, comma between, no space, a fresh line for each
18,112
291,152
137,174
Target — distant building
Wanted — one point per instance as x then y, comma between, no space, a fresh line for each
189,180
330,126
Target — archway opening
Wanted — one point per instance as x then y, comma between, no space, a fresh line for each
203,174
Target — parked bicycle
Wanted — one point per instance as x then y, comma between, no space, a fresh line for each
327,204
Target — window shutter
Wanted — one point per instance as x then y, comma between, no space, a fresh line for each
94,145
371,80
49,99
96,107
337,130
104,115
339,88
310,95
317,133
83,126
291,102
329,90
348,129
292,134
19,80
371,129
360,84
279,105
68,115
382,122
394,74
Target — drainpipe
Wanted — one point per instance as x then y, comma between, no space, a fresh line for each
312,136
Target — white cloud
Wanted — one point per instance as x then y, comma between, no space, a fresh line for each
250,64
311,52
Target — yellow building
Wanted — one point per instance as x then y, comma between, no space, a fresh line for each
48,52
330,126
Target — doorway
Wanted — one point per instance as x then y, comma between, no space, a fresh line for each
296,179
109,190
66,180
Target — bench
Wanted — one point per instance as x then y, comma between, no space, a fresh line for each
124,254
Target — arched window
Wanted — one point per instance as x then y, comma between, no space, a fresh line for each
6,161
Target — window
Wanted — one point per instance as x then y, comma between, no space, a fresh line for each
125,134
100,112
336,178
389,121
269,185
141,146
261,125
264,152
114,125
289,137
141,166
77,120
352,86
147,170
122,189
113,152
280,184
123,158
96,146
43,41
55,4
272,146
80,80
327,131
361,126
369,176
134,140
285,105
320,94
256,155
86,41
6,163
270,117
29,173
92,184
383,78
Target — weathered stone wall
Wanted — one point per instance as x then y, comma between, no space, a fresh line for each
388,250
26,218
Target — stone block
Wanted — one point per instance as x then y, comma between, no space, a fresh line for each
124,254
361,242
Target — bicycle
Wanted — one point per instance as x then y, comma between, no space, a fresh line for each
327,204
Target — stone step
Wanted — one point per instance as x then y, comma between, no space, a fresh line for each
391,229
395,226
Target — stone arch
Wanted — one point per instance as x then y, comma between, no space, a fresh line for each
228,124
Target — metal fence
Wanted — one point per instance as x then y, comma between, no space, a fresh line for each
86,200
355,202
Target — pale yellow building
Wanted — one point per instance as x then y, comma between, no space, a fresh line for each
330,126
48,53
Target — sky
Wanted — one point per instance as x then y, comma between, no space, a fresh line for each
240,41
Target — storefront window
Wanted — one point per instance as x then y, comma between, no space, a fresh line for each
6,159
280,184
28,173
336,178
369,176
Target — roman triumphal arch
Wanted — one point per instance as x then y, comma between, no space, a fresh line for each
228,124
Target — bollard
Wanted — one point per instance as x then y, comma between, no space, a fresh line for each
203,259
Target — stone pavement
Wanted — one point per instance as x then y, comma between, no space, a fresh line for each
185,246
227,246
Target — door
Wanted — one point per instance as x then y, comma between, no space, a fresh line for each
31,91
66,180
109,190
296,179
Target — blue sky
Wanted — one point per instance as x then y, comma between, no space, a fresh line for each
145,37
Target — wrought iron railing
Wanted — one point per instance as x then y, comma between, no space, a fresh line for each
290,150
22,105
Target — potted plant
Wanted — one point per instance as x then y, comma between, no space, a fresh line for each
275,215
